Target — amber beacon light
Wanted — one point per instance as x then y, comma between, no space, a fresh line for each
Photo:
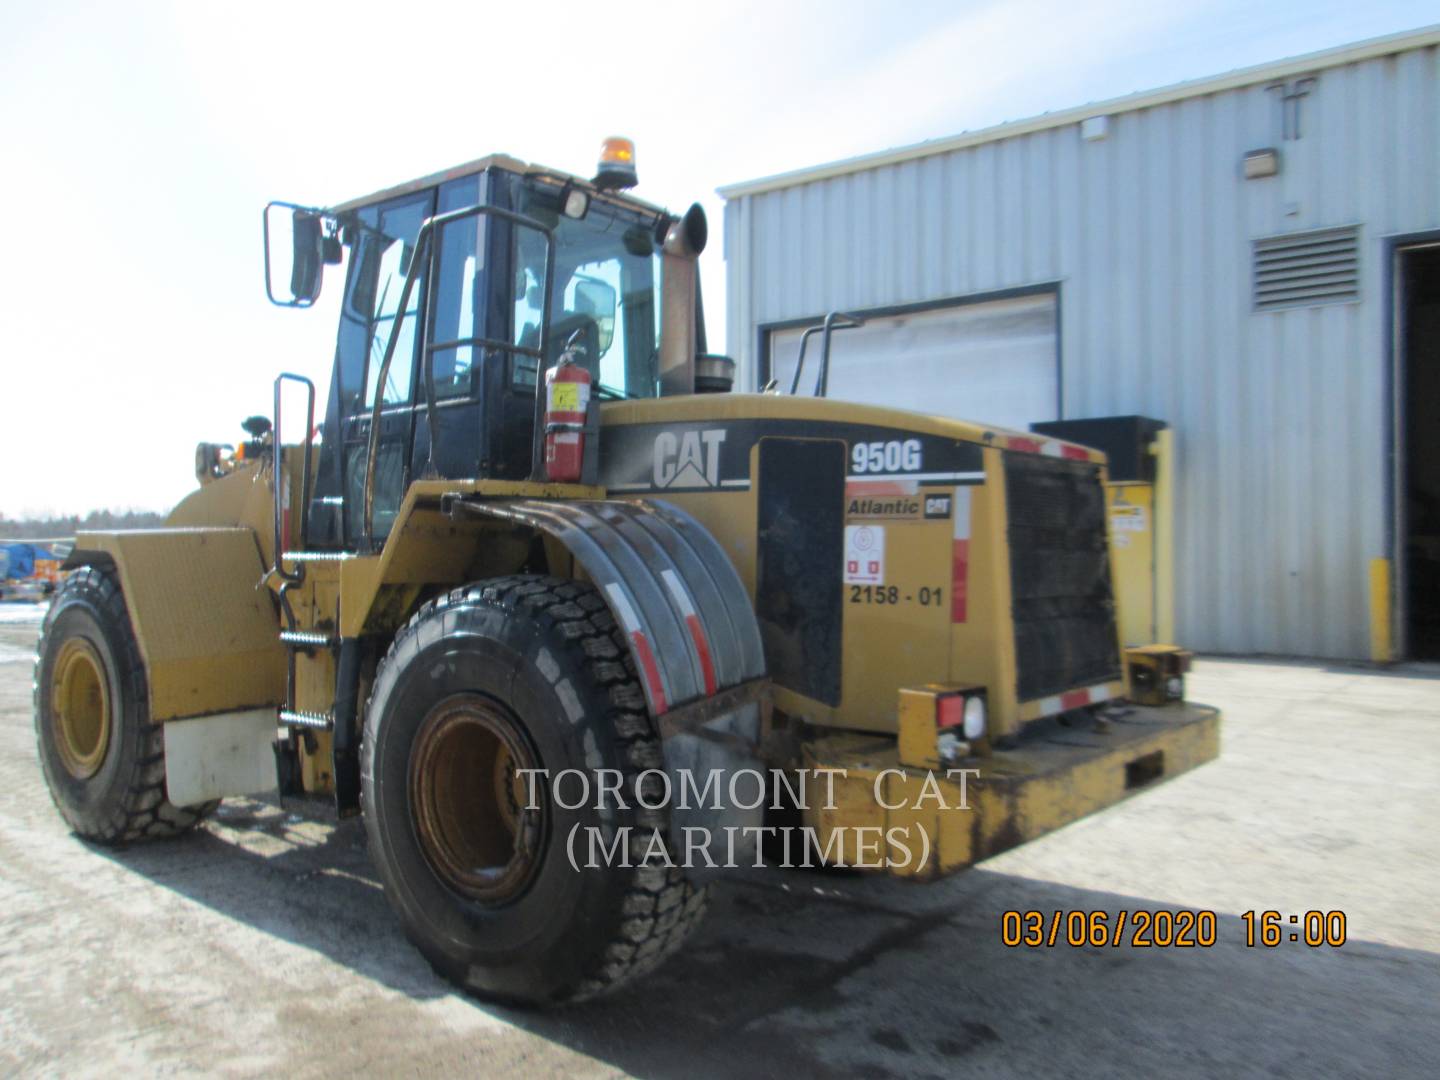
617,164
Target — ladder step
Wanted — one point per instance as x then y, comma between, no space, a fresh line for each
311,720
307,639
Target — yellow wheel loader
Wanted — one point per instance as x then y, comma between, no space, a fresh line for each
573,626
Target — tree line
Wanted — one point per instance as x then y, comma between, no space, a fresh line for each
54,528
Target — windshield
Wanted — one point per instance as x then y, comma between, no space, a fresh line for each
606,293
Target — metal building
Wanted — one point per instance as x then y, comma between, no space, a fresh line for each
1253,258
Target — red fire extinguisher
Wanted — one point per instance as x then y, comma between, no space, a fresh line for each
567,397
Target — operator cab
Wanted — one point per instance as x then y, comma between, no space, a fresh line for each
519,265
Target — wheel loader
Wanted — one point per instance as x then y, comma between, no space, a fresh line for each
573,625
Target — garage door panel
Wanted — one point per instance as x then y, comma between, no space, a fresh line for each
993,362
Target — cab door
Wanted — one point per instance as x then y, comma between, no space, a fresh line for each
383,257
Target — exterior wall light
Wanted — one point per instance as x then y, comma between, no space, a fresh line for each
1257,164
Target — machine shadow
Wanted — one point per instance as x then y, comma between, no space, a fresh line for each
804,973
294,872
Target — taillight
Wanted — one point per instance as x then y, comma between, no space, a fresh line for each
961,721
950,711
941,723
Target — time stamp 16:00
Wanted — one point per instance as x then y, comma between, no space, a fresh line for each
1166,929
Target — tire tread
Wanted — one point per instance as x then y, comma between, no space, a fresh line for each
145,812
661,906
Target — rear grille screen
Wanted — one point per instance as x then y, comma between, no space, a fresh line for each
1065,634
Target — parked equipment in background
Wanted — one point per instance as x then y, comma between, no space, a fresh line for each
30,570
458,613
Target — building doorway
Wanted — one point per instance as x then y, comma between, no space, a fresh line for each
1417,325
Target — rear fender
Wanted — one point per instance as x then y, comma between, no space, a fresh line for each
691,630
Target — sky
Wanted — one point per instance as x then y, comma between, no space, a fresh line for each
141,141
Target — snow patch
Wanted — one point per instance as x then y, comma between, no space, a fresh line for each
24,613
10,654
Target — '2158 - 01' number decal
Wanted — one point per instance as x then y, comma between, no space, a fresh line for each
885,457
891,594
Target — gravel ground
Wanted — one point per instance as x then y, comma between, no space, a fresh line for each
262,943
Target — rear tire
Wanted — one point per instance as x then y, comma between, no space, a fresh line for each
103,760
535,670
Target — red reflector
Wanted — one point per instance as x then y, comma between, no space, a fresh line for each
959,574
950,711
651,671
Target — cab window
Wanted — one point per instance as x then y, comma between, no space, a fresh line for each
606,293
457,307
385,256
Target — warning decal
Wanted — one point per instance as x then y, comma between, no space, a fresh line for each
864,555
564,396
1128,518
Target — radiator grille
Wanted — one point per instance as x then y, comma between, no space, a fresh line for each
1064,609
1304,269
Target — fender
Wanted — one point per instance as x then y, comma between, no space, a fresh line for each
691,630
209,637
671,587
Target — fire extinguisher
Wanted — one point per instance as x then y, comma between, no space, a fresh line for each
567,397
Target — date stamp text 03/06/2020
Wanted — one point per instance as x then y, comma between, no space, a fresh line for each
1166,929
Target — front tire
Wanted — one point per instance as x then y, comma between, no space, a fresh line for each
103,760
518,673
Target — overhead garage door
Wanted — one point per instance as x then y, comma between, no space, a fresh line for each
996,362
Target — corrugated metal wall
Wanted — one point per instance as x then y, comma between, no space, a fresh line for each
1281,417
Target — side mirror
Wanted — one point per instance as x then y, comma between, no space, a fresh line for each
309,250
597,299
307,266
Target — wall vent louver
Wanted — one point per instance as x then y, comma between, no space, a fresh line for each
1306,269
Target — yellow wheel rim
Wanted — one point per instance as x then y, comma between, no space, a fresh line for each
80,708
468,801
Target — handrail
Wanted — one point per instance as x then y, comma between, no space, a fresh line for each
800,360
832,322
425,245
276,453
822,377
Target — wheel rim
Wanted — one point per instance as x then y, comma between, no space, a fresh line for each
80,708
468,798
